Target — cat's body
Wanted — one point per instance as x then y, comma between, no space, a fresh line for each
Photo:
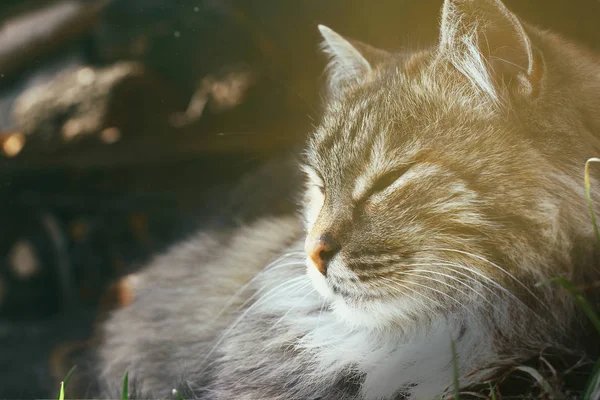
443,185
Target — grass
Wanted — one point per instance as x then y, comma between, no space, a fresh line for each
61,393
64,383
588,195
125,392
594,382
492,392
178,395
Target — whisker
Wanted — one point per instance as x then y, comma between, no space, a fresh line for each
294,307
321,312
414,272
259,291
501,269
270,267
487,278
440,292
447,265
401,284
483,297
290,284
497,285
281,258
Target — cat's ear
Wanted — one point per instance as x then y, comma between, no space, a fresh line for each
349,61
488,44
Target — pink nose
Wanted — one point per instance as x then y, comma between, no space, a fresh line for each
321,251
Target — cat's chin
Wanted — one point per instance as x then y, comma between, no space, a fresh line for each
372,313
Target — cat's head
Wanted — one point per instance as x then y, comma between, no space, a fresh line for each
428,191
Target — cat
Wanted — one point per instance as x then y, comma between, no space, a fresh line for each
442,187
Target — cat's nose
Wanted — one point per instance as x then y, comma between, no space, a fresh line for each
321,250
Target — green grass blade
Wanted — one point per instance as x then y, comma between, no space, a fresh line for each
68,377
588,195
492,392
61,393
581,301
125,392
593,384
177,394
594,381
455,370
64,383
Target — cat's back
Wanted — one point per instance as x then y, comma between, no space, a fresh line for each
183,299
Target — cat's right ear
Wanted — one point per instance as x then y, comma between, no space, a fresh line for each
349,61
488,44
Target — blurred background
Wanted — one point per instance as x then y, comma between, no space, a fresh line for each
124,124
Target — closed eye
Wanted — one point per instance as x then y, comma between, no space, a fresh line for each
314,178
386,180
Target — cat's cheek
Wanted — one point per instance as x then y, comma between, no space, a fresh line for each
313,207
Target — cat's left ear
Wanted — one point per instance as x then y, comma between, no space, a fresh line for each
350,61
488,44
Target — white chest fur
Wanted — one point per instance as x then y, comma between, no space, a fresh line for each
415,358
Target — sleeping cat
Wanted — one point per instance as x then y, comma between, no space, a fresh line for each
441,187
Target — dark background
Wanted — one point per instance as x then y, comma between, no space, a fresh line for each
100,164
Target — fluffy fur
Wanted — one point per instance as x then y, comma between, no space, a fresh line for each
451,180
